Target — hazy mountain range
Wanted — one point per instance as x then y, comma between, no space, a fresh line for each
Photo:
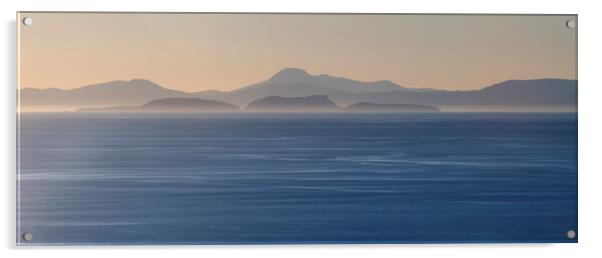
271,104
512,95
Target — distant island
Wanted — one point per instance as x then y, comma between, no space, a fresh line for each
270,104
184,105
314,103
543,95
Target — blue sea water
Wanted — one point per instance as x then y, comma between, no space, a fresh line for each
297,178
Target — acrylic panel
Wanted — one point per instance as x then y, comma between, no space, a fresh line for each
259,128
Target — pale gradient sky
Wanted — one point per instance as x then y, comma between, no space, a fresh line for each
195,52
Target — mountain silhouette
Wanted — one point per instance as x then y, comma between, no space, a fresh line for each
314,103
114,93
290,75
295,82
296,75
511,95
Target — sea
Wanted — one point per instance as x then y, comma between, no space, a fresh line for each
329,178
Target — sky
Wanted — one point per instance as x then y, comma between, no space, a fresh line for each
196,52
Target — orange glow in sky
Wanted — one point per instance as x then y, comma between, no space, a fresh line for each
196,52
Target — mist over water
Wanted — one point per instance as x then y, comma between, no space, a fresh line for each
295,178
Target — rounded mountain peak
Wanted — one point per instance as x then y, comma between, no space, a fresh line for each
142,83
290,75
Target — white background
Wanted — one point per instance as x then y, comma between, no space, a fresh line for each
590,129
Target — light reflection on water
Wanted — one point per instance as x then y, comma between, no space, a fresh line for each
253,178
